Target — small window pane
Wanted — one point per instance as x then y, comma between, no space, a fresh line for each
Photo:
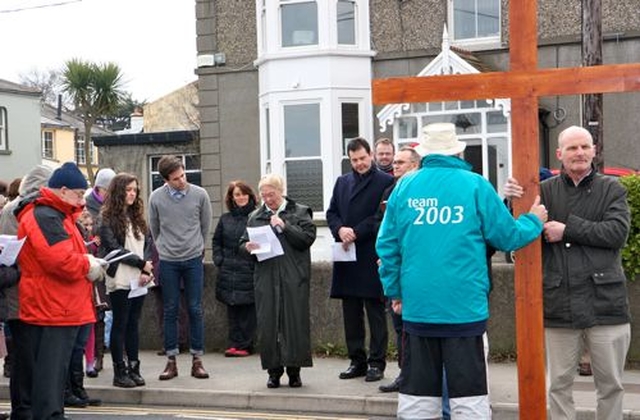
452,106
464,15
191,162
299,24
304,183
435,106
350,123
302,130
488,18
346,22
467,104
467,123
407,128
496,122
418,108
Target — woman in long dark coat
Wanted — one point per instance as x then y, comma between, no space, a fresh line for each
282,284
235,272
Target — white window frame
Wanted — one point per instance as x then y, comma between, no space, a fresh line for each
355,24
154,171
4,132
51,141
280,25
78,150
478,43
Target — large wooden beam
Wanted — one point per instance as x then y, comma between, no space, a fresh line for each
523,50
513,84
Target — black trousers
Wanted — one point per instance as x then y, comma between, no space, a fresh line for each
353,310
50,349
21,372
125,330
242,326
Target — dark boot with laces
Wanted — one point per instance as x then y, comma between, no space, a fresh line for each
121,377
134,372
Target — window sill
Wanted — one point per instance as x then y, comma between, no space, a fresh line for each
5,152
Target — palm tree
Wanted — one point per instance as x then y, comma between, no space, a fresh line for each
96,91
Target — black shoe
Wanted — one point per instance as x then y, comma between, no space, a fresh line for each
295,381
71,400
273,382
92,373
353,371
374,374
392,387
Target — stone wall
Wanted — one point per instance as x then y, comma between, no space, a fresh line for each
326,315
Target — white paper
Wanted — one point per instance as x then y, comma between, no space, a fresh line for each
340,254
269,244
136,289
111,257
10,249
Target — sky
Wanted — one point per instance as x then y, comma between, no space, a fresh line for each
153,41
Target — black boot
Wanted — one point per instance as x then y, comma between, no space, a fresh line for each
121,377
77,388
134,372
71,400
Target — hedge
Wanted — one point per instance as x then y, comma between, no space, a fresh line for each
631,252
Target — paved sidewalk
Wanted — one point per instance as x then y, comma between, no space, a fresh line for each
240,383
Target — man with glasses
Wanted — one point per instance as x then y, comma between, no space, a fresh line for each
55,285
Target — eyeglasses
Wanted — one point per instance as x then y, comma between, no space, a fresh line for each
79,194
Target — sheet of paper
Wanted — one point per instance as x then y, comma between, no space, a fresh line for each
111,257
340,254
136,289
269,244
10,250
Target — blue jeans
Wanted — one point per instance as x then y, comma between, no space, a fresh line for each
191,272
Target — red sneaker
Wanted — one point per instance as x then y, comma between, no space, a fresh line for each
241,353
230,352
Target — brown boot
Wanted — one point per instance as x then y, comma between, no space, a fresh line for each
197,370
170,370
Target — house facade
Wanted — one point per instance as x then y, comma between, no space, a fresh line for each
62,139
283,84
19,130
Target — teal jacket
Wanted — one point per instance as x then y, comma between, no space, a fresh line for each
432,241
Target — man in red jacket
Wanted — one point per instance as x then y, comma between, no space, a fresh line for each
55,285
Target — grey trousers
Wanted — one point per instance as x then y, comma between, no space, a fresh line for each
608,345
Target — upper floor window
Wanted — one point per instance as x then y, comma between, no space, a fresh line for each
47,144
3,129
475,21
299,23
192,170
346,22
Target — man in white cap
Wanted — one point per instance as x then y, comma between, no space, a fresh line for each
432,247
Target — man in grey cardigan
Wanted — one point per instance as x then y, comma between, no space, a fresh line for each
180,219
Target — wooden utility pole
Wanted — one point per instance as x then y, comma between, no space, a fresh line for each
592,103
524,84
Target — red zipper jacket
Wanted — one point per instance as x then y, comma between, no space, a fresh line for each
53,289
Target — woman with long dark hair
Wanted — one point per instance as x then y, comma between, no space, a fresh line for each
123,228
234,287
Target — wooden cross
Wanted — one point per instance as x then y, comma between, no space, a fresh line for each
524,84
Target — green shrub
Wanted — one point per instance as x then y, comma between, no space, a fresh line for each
631,252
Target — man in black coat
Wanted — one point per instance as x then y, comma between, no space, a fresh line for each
352,219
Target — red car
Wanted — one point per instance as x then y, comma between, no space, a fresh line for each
610,170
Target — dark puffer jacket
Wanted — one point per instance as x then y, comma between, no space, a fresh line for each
235,271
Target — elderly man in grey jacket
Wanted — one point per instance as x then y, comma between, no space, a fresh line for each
585,293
